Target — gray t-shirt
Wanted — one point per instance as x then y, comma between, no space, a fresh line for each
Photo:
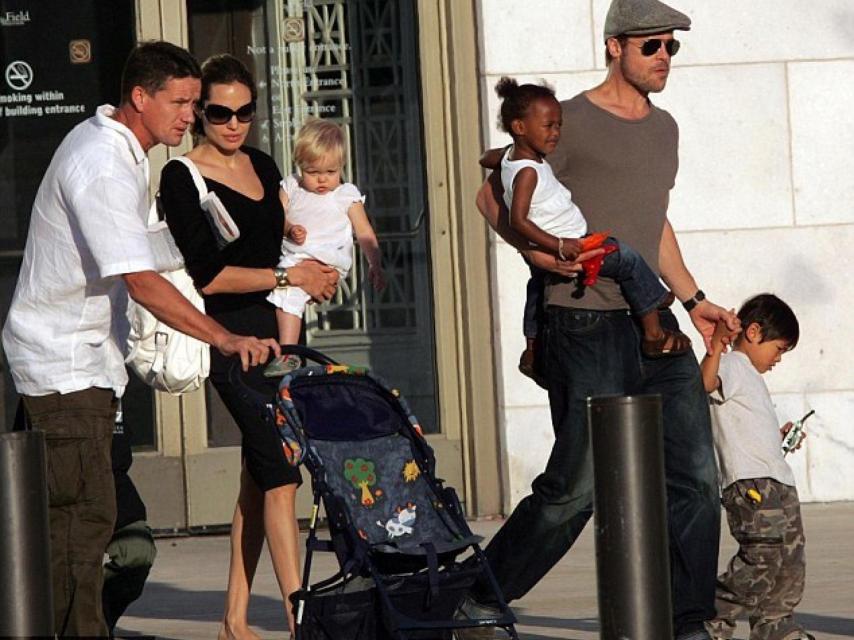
620,173
744,425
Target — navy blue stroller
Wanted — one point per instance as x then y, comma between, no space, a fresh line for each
395,529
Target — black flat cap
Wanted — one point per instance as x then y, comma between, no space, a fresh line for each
643,17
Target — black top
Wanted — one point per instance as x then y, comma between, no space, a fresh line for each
261,224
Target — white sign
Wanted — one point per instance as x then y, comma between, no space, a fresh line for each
14,18
19,75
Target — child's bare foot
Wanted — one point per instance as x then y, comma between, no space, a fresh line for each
667,343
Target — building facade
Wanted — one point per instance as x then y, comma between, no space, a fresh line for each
762,201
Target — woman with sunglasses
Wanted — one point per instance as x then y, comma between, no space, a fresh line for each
235,281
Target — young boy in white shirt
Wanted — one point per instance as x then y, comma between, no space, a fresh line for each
765,579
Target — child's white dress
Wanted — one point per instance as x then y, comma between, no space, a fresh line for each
329,236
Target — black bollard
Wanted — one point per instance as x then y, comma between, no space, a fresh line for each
632,558
26,602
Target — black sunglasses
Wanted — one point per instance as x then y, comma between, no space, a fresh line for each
218,114
653,45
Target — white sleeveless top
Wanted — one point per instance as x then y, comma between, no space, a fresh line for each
329,233
552,208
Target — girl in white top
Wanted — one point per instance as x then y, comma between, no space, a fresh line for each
542,210
321,215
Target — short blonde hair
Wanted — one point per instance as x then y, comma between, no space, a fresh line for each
318,138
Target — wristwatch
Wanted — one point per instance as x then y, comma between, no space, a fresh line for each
281,278
692,302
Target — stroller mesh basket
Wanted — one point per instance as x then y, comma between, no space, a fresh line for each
396,530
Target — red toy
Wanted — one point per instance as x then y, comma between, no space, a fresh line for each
592,266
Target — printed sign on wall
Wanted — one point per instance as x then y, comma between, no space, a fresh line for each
58,61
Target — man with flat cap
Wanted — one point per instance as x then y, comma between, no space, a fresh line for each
618,156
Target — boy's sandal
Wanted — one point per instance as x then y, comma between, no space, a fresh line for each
671,343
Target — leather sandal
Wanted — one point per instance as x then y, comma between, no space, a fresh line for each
671,343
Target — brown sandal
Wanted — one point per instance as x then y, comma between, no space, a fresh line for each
671,343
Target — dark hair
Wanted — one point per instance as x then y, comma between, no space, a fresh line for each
223,68
516,99
622,39
774,317
151,64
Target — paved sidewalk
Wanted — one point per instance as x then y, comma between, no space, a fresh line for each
184,595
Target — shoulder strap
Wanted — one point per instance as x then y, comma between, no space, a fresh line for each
194,171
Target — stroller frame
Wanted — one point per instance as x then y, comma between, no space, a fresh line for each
433,577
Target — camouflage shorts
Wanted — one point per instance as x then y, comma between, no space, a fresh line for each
765,579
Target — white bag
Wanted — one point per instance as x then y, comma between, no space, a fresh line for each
161,356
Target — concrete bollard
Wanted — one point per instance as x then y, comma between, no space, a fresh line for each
632,557
26,599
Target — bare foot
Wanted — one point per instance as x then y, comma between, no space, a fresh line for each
229,631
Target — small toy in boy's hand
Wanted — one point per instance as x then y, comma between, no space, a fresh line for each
594,264
793,434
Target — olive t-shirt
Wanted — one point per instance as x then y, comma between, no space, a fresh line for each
620,173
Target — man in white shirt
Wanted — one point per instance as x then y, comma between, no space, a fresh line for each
87,249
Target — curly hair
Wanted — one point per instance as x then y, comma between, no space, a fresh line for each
517,99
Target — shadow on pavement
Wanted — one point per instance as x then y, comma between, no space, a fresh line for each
826,624
576,624
166,602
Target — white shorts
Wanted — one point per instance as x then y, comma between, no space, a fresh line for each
290,300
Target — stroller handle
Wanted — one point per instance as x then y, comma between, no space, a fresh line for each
306,352
255,398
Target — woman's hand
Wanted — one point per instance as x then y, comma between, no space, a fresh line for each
315,278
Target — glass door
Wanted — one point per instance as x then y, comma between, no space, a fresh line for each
356,63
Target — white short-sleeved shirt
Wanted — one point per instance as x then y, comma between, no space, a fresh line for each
329,232
67,325
552,208
745,426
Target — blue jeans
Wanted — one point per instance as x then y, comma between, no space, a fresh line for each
595,353
532,318
639,284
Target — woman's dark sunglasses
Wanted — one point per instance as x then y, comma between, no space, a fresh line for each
218,114
651,47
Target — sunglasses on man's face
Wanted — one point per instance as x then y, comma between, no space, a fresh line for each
653,45
218,114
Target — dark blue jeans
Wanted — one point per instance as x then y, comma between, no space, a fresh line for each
532,318
595,353
639,284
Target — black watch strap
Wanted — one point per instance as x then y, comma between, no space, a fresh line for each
691,302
